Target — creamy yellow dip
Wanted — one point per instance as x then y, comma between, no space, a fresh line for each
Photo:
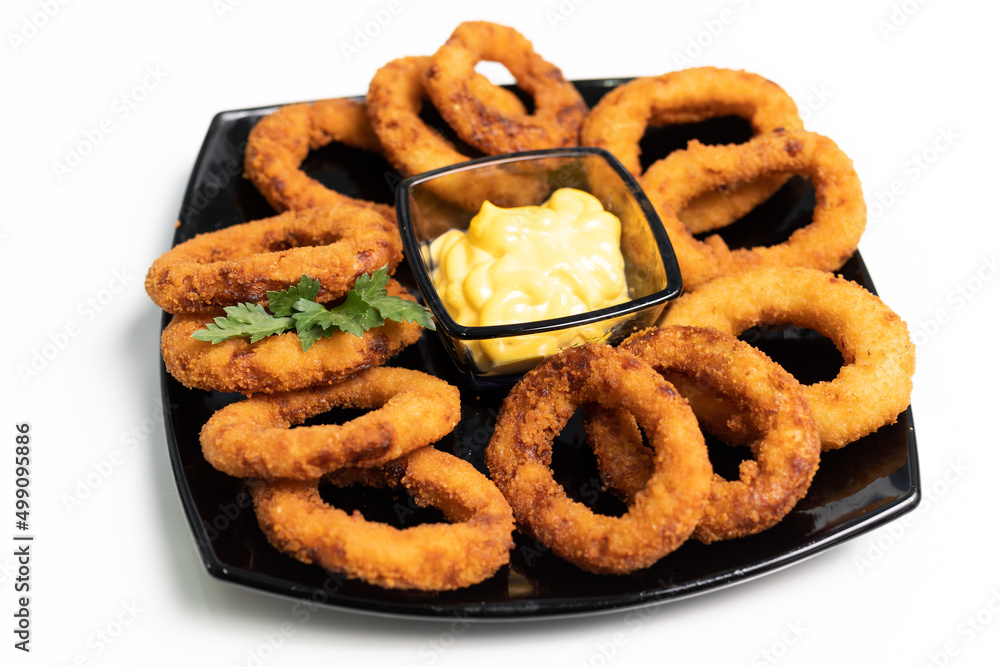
527,264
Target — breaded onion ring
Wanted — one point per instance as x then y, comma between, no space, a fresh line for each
613,434
519,455
825,243
279,143
875,382
334,245
786,453
277,363
619,120
559,107
253,438
431,557
395,96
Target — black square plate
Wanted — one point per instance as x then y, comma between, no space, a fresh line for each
856,489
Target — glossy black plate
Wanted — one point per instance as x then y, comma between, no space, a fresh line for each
856,489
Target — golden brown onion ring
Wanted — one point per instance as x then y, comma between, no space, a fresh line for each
620,119
786,455
253,438
280,141
559,108
395,96
624,462
432,557
519,456
875,382
825,243
334,245
277,363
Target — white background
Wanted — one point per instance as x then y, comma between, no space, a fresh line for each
74,248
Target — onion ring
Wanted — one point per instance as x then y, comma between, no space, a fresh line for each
613,434
429,557
395,96
825,243
409,410
280,141
334,245
875,382
559,107
519,455
786,455
277,363
619,120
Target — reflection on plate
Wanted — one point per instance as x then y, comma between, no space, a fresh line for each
856,489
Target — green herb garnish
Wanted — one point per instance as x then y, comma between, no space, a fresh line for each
245,319
367,306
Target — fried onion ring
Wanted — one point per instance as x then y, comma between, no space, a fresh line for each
253,438
395,96
519,456
280,141
277,363
559,107
786,454
619,120
431,557
825,243
875,382
613,434
334,245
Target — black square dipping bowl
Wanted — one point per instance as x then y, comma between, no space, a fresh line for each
433,203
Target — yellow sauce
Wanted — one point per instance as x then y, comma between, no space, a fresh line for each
527,264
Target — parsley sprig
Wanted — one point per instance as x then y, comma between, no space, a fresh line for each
367,306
